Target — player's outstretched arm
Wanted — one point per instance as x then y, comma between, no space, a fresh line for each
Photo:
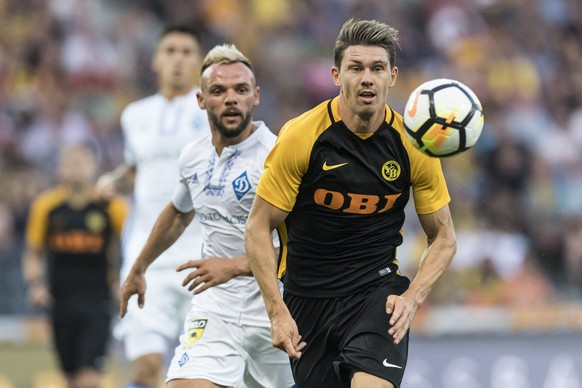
108,184
263,219
440,249
170,225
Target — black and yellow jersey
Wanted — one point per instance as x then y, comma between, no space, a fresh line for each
76,242
345,195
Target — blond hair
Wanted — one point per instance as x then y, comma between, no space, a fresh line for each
226,54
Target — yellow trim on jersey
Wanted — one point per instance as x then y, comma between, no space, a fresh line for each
285,165
429,187
283,247
37,218
117,210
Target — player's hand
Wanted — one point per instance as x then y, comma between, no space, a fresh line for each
403,310
285,334
208,272
105,187
39,296
135,283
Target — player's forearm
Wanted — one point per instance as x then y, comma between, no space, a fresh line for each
168,228
433,264
33,268
241,266
263,263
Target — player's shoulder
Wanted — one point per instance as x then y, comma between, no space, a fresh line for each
196,148
265,137
142,105
49,199
311,122
396,121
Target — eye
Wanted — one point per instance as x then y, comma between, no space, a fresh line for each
242,89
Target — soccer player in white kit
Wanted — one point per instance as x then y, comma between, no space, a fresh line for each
155,130
227,335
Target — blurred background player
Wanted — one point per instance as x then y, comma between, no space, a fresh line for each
155,130
226,340
70,243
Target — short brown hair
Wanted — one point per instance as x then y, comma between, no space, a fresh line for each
366,33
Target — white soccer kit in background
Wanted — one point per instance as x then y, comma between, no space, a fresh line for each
155,131
227,333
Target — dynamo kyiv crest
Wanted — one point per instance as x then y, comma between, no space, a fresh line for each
241,185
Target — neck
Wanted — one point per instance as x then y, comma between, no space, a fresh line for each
220,141
79,196
359,123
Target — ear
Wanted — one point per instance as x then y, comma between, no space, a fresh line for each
155,65
335,76
257,95
200,99
393,76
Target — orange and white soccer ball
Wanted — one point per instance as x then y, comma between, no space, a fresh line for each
443,117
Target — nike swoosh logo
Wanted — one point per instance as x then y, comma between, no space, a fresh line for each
412,109
326,167
388,365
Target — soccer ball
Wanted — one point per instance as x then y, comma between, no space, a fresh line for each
443,117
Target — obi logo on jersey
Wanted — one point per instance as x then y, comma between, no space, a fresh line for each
241,185
196,330
354,203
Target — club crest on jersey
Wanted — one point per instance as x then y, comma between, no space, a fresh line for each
95,222
241,185
183,360
391,170
195,330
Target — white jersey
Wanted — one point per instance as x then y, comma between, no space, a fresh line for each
155,130
221,189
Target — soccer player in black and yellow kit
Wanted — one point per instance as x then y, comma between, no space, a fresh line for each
335,186
68,266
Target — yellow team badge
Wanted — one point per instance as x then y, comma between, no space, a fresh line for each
391,170
196,330
95,222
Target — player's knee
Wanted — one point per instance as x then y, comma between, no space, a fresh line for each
147,370
86,378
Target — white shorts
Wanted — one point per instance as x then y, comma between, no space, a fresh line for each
156,327
229,354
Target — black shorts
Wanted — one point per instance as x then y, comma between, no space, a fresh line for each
346,335
81,334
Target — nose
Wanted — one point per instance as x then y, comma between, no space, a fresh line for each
231,97
367,79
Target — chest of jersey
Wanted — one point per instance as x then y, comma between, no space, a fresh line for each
351,175
223,187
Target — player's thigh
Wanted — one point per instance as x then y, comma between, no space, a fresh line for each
267,366
95,334
209,349
316,323
366,380
366,345
66,336
155,327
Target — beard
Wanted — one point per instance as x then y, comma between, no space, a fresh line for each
230,132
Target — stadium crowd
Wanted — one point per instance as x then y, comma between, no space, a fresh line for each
68,68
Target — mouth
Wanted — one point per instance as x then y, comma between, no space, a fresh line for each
367,96
232,114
